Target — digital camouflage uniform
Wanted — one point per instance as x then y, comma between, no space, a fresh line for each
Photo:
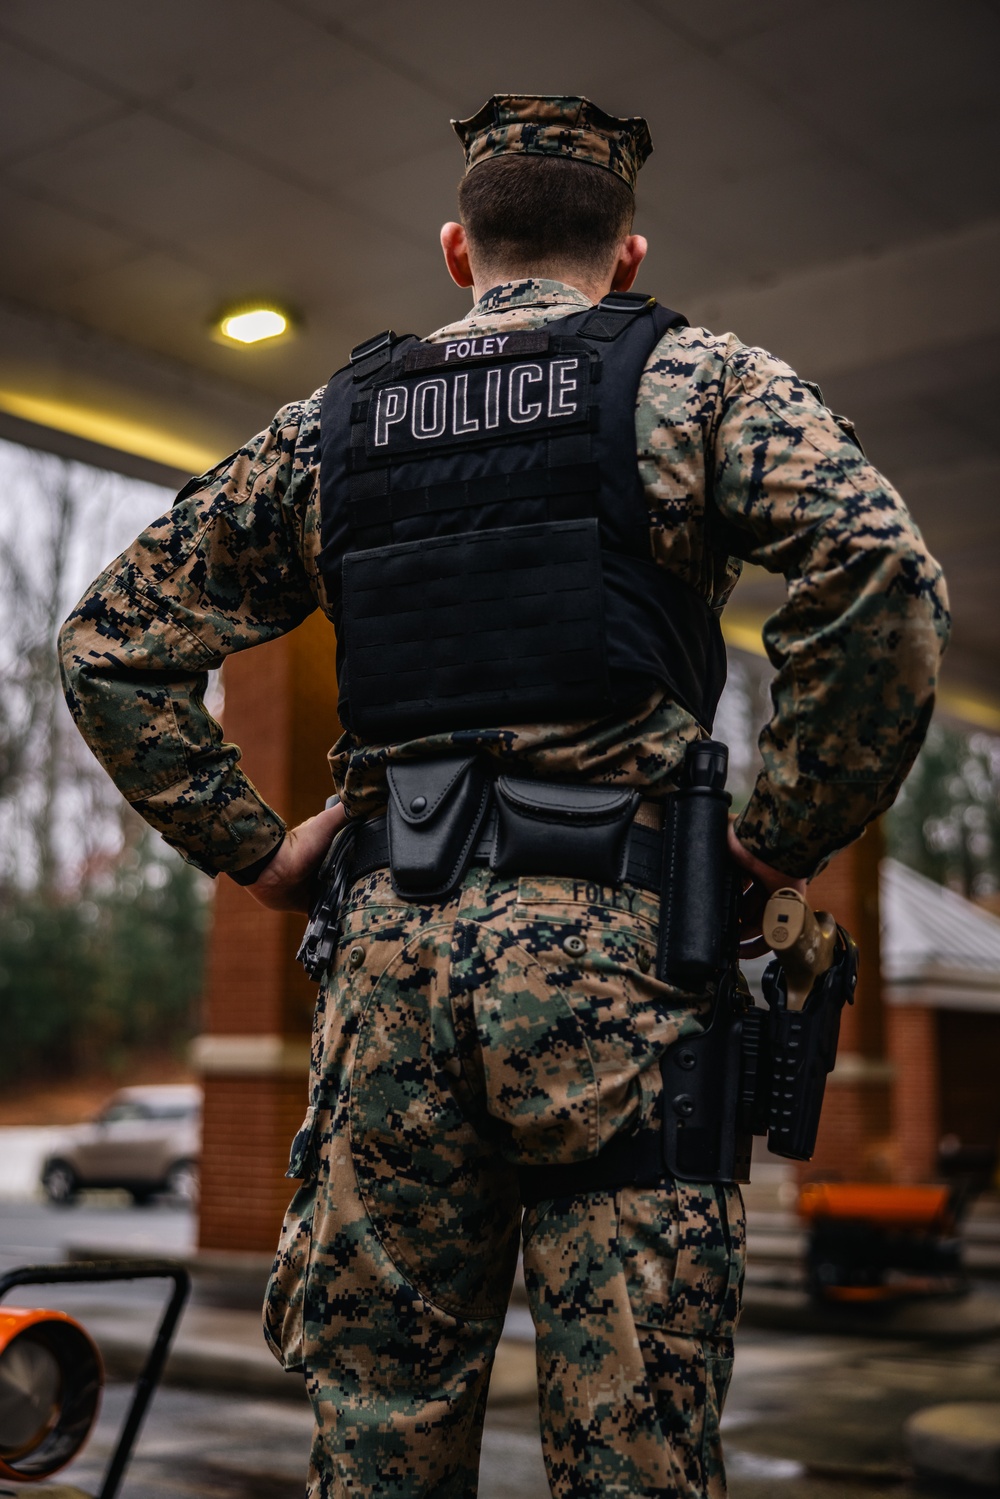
520,1022
451,1042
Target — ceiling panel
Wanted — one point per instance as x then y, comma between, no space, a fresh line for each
46,251
462,52
895,92
321,93
40,106
162,186
149,50
272,189
718,27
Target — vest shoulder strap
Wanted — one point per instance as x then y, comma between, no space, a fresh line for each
369,358
616,312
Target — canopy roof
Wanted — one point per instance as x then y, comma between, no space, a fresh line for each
938,948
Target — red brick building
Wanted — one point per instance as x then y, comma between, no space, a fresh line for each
941,986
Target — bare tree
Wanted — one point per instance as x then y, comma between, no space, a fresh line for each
60,522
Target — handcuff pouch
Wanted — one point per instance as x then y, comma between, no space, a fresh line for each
574,832
436,811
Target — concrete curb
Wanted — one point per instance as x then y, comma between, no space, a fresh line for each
968,1319
960,1442
220,1277
40,1491
194,1365
197,1365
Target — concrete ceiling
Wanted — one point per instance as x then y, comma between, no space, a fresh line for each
824,183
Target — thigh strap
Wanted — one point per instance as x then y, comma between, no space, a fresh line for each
632,1159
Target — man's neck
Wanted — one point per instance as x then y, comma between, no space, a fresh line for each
592,289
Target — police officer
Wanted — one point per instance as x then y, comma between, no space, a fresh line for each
516,596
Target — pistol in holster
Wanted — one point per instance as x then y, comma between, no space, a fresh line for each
752,1070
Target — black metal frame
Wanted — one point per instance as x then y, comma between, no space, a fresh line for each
149,1378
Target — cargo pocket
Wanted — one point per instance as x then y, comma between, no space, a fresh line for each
572,1017
283,1304
711,1255
682,1247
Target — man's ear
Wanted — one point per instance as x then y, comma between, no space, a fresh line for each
455,244
630,258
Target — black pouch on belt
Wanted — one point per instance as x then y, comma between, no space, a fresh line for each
436,810
575,832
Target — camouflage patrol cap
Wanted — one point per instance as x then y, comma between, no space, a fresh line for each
555,125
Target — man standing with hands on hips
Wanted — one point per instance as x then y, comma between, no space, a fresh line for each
524,528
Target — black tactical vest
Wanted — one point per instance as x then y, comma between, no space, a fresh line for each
486,537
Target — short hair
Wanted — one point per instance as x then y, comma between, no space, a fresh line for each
520,211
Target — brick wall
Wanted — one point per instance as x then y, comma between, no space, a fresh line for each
855,1135
969,1043
913,1047
281,709
848,888
249,1125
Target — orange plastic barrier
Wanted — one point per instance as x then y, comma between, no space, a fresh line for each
885,1205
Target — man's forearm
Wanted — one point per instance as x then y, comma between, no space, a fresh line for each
857,641
173,767
136,650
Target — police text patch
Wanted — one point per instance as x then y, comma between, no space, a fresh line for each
481,402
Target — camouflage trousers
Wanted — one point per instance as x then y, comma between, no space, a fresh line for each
520,1023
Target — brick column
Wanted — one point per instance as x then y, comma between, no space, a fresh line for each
855,1134
281,709
916,1113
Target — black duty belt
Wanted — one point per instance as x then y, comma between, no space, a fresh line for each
643,861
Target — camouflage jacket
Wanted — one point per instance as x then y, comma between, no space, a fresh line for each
740,460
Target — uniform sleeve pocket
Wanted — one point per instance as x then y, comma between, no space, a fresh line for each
302,1156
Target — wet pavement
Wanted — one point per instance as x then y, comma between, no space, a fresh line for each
807,1418
237,1449
810,1416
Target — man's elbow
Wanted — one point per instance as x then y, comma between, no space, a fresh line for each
929,612
70,656
921,623
904,583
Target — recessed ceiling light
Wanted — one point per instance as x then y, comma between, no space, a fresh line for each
250,325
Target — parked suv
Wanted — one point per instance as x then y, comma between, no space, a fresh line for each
146,1140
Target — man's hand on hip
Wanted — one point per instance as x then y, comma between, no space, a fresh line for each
287,882
760,881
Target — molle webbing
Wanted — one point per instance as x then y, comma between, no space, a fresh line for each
568,488
451,631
